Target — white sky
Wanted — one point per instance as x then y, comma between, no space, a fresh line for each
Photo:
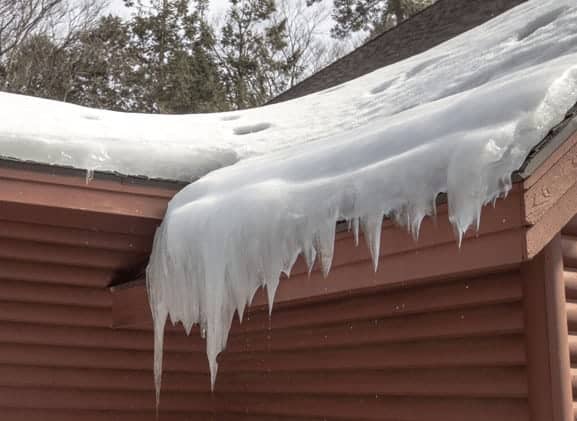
117,7
217,8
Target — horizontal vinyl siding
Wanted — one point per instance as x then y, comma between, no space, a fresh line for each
438,351
59,357
448,351
569,243
442,351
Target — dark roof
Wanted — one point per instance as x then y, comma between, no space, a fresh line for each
434,25
556,137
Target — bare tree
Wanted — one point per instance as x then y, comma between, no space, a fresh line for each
20,18
73,18
307,38
330,50
39,49
61,20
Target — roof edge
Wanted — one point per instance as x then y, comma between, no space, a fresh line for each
97,175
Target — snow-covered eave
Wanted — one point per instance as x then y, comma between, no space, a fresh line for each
539,204
538,155
402,259
90,177
542,200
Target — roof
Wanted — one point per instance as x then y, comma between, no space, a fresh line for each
503,98
432,26
186,147
442,328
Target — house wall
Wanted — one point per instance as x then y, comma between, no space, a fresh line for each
450,350
63,241
446,350
546,334
440,22
441,348
569,244
438,333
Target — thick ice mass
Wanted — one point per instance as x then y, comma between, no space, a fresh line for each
458,119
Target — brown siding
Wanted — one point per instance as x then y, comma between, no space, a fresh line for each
62,242
440,22
547,335
569,244
446,351
436,348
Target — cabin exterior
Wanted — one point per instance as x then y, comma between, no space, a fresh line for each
487,330
438,333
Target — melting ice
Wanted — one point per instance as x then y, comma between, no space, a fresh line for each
458,119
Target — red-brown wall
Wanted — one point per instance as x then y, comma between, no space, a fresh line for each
444,350
62,242
452,350
570,276
437,347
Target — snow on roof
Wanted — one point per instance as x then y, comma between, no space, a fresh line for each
458,119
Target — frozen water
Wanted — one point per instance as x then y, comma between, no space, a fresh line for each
458,119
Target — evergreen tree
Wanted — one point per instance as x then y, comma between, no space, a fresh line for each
252,65
106,75
94,69
37,67
372,16
165,57
174,47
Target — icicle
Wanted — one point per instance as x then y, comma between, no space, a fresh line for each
371,226
356,230
478,219
159,320
241,227
310,255
240,311
89,175
271,288
434,212
187,325
416,227
325,242
289,263
213,368
459,233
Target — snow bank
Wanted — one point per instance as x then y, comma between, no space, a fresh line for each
459,119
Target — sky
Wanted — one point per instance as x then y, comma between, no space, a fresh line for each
216,6
217,9
117,7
